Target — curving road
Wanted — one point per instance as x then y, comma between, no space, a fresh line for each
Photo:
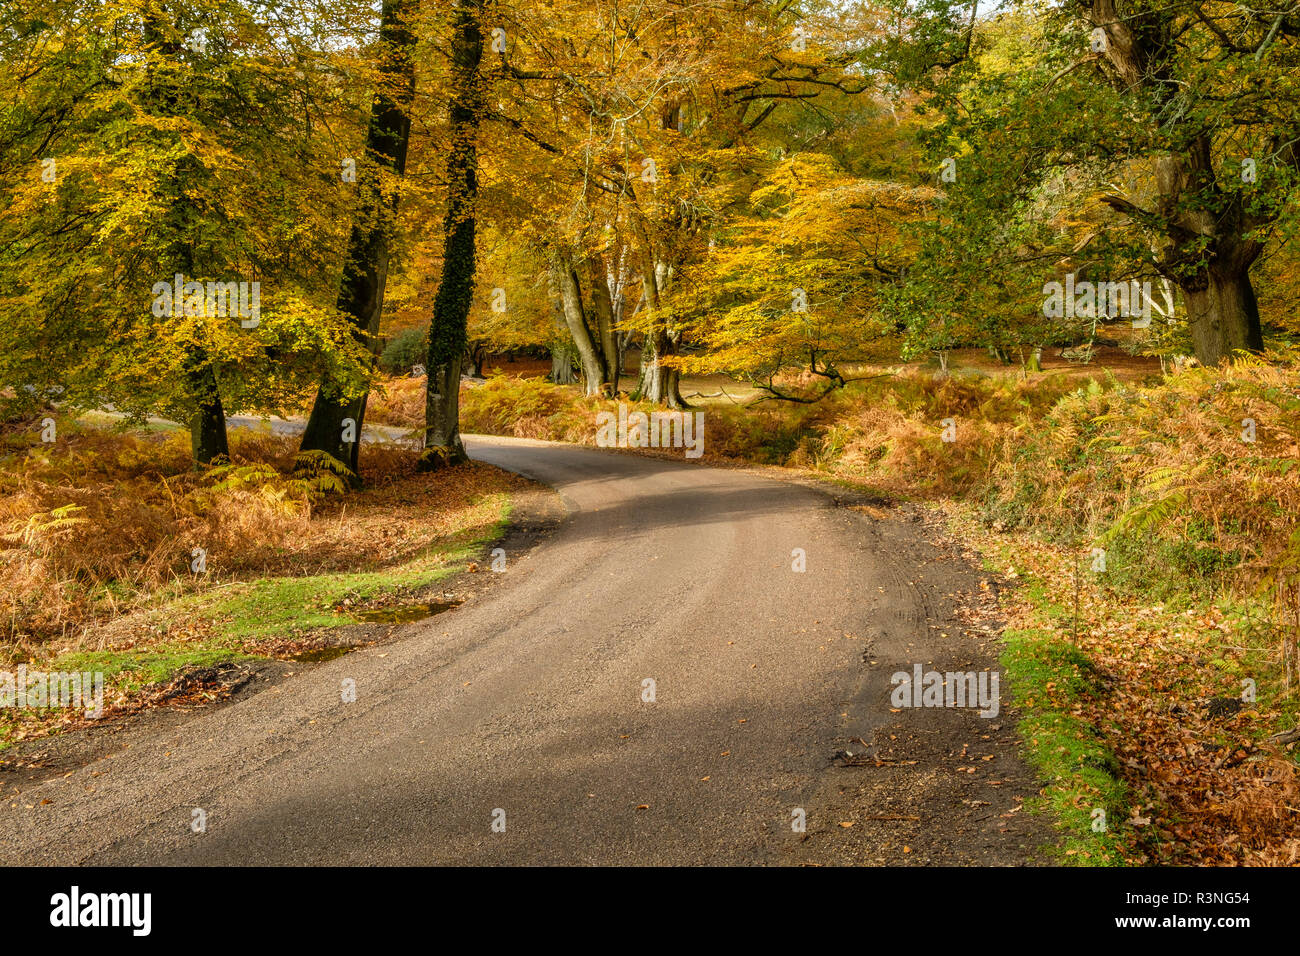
529,700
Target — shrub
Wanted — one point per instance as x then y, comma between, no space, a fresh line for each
404,351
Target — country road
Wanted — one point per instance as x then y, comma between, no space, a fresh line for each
532,699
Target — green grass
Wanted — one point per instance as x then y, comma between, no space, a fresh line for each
264,608
246,612
132,670
1047,677
1051,679
292,606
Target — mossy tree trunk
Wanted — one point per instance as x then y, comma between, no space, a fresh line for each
451,305
365,273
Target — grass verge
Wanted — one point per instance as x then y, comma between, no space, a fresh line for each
284,572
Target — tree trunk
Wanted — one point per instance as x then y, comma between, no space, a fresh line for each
1210,225
659,383
623,340
1210,259
561,346
575,317
451,304
365,273
476,354
1222,315
603,308
208,440
562,364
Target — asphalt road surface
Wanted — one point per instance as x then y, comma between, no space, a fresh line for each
522,727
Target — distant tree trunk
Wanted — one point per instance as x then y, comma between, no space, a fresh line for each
585,342
562,365
451,304
624,343
365,273
208,440
477,355
603,309
623,340
561,348
659,383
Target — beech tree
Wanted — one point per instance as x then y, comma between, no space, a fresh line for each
147,143
451,305
1214,86
338,413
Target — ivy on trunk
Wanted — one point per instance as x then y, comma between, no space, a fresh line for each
361,295
448,330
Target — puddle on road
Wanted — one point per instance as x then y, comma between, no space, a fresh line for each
394,614
405,613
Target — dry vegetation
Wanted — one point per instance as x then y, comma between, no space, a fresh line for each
101,525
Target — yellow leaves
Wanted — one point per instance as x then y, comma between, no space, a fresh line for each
797,273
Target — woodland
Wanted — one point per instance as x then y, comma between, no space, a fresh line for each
1065,227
